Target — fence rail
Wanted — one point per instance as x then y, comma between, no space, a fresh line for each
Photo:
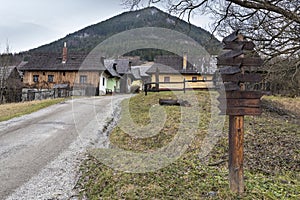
148,87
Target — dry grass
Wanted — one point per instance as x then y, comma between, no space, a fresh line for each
272,144
9,111
291,105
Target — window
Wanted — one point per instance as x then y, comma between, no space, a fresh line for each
83,79
35,78
194,79
204,78
167,79
103,81
50,78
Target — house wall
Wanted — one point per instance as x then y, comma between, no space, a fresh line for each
103,83
60,77
180,78
125,84
113,84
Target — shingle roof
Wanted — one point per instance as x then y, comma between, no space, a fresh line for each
172,64
53,62
123,66
170,60
136,73
110,68
143,70
163,69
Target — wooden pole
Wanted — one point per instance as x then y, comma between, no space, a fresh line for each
236,144
145,89
236,153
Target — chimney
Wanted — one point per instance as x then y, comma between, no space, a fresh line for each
102,60
184,64
65,53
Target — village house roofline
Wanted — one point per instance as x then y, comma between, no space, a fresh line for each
53,62
136,73
164,69
143,70
123,66
111,71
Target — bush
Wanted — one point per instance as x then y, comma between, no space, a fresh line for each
135,89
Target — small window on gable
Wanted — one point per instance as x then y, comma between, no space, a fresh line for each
167,79
35,78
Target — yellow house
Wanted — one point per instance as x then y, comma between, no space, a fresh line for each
175,73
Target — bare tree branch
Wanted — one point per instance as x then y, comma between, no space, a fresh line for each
274,25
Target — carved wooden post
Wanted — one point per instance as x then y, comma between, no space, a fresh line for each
238,102
236,153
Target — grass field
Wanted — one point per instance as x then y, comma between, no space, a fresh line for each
272,155
9,111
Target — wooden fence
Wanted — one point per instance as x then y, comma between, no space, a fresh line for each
179,86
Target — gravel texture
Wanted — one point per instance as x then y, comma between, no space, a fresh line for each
58,178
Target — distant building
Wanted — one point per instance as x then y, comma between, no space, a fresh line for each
173,70
83,74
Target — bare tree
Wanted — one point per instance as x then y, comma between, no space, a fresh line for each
274,25
4,64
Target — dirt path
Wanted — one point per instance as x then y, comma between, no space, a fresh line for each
29,143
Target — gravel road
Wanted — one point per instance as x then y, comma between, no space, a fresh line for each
40,153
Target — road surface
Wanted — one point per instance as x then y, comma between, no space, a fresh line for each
29,143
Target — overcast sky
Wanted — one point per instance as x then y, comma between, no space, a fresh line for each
27,24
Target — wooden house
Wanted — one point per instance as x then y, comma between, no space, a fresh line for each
123,68
173,70
113,82
83,74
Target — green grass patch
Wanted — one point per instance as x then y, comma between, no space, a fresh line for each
271,163
9,111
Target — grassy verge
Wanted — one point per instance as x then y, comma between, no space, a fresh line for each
272,159
9,111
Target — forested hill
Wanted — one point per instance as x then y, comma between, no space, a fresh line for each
87,38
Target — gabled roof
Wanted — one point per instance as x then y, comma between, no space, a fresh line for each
123,66
173,64
143,70
110,69
136,73
118,67
53,62
173,61
163,69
